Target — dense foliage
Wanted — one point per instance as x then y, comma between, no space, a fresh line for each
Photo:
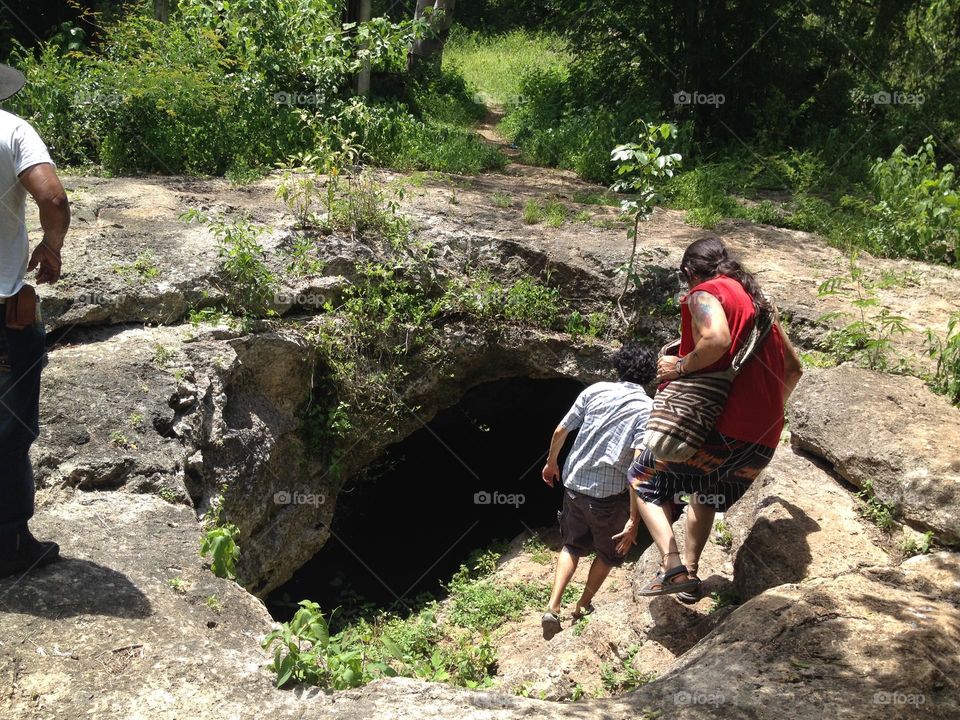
239,86
825,75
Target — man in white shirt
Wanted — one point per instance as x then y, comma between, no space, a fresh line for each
25,167
611,418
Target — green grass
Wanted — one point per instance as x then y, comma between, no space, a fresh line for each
722,536
874,509
555,213
494,64
532,212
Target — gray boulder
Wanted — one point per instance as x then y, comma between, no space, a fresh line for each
889,432
797,522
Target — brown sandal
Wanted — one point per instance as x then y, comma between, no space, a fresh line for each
663,583
689,597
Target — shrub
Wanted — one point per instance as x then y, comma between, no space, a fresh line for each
251,285
220,543
946,352
918,210
395,138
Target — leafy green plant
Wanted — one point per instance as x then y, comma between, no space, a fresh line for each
300,190
868,339
593,325
495,63
723,599
220,544
641,168
873,508
306,652
581,625
121,440
946,352
625,677
817,359
530,301
481,604
912,547
722,537
143,268
214,603
918,210
537,550
302,259
162,355
178,585
168,494
501,199
251,285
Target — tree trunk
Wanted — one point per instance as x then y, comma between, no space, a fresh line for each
359,11
161,10
431,48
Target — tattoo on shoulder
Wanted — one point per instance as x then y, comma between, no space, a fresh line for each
703,309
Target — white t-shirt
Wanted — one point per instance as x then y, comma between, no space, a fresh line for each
20,149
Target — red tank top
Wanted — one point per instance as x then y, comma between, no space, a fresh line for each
754,409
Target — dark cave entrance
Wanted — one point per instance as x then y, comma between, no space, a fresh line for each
408,527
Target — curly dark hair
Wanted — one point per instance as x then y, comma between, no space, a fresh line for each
636,363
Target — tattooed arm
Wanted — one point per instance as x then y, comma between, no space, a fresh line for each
711,337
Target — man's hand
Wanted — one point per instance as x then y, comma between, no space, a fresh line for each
667,368
48,261
627,537
550,473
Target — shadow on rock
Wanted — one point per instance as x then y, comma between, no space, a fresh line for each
679,627
73,587
775,552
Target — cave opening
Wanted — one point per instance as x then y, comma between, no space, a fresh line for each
464,481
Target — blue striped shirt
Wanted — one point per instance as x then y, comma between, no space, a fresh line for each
611,418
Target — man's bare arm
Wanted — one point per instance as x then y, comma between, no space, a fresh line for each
711,335
551,471
42,183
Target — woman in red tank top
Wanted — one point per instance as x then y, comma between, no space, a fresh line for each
716,315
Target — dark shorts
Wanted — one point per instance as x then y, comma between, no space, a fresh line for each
588,524
719,474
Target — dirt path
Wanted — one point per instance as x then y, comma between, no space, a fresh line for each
488,129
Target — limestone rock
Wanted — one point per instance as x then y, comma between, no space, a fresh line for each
888,430
796,522
846,647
